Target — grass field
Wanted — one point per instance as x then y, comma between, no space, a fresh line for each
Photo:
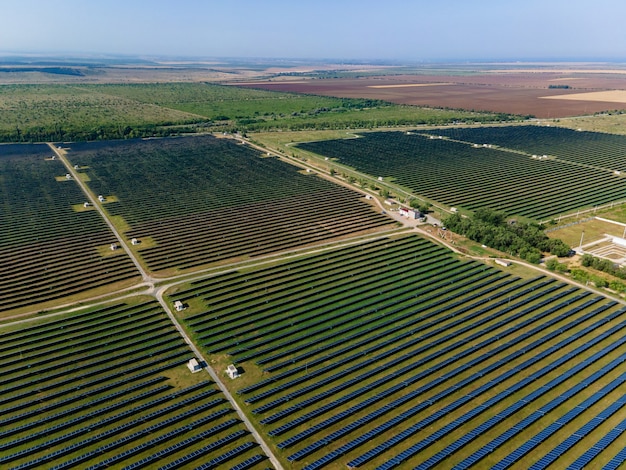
96,112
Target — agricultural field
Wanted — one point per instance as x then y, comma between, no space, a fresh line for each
395,353
51,246
196,201
92,390
541,92
463,167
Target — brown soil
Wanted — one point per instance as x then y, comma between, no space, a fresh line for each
517,93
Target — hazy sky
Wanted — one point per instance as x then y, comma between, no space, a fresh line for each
359,29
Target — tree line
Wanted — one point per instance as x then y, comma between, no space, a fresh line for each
494,229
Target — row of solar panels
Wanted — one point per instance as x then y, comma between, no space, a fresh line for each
26,398
162,439
375,301
33,345
519,385
91,414
432,254
124,427
410,313
423,303
370,280
42,411
551,429
422,362
425,404
88,348
356,368
61,327
185,443
416,364
406,311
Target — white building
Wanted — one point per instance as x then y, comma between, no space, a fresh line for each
113,246
232,371
179,306
194,366
134,241
101,198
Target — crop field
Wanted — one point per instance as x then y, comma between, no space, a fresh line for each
538,92
48,249
201,199
470,172
394,353
92,390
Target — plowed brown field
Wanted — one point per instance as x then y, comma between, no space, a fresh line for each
510,92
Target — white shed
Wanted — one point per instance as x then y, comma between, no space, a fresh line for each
101,198
179,306
232,371
194,366
68,176
113,246
86,204
134,241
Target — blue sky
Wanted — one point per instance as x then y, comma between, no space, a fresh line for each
408,30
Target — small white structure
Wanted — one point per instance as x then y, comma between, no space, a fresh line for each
134,241
380,178
368,197
68,176
617,172
232,371
454,209
179,306
503,262
54,157
86,204
101,198
194,366
76,167
113,246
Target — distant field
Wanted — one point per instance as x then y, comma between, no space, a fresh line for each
68,112
394,353
499,91
202,200
94,389
98,112
471,171
50,251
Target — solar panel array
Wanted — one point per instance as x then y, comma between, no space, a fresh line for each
395,353
109,387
